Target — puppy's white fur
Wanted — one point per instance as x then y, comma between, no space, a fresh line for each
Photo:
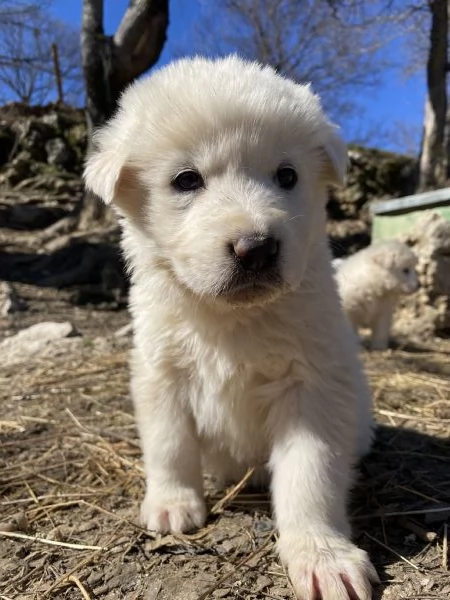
371,283
238,375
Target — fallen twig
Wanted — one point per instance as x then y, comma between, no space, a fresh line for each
24,536
80,586
392,550
219,506
421,532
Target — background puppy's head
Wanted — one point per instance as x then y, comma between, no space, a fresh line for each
399,262
222,165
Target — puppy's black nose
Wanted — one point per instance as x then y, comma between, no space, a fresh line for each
255,252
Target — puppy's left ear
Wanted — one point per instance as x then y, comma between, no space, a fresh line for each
334,156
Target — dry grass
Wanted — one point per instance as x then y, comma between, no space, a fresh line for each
71,481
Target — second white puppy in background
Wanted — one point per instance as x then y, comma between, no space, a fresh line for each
371,283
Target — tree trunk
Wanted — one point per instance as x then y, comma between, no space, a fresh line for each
110,63
433,159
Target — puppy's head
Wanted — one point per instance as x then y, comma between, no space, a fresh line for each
223,166
399,263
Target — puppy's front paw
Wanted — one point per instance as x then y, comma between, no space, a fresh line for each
177,512
327,567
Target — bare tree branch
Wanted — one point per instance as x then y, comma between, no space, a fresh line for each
433,160
334,44
27,33
140,37
111,63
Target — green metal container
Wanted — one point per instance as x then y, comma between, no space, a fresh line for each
394,218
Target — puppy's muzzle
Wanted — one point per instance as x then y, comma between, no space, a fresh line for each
256,253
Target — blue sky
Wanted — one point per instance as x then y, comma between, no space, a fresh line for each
393,114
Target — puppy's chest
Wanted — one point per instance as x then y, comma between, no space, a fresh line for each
233,399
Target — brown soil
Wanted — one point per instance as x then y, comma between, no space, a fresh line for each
71,482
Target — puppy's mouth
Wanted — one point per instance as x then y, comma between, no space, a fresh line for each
411,289
242,287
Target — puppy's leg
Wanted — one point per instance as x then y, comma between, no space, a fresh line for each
174,488
311,470
382,327
353,328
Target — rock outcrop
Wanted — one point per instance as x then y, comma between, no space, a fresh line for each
41,158
372,175
428,311
43,339
42,152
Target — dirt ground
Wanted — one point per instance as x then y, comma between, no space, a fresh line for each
71,481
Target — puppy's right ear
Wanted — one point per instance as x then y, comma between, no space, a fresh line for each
102,172
109,175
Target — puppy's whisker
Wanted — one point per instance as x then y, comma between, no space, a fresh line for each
295,217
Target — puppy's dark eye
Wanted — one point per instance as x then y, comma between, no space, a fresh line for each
405,271
188,181
286,177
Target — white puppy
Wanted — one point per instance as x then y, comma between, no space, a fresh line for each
242,355
371,283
